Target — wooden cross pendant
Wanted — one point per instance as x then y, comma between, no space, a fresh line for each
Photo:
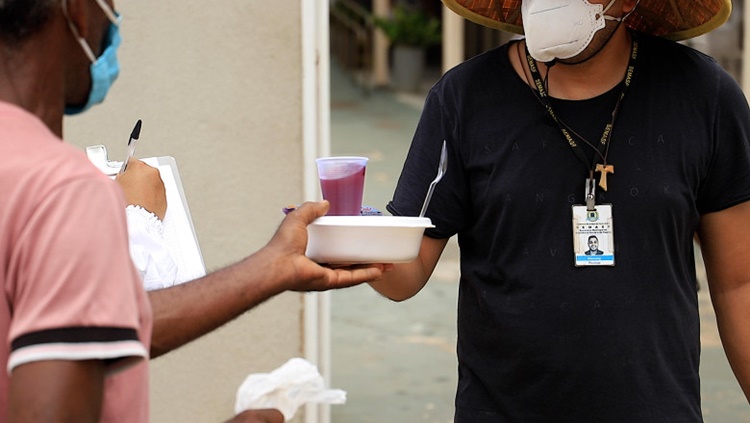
604,169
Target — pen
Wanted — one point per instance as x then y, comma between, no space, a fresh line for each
131,145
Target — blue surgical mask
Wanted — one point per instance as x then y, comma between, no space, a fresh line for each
104,69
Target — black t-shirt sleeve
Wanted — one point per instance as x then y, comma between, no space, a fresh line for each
727,181
446,209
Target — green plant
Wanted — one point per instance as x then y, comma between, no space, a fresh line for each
410,27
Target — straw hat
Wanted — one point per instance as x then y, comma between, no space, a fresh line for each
673,19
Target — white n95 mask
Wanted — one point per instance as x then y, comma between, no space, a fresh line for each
561,29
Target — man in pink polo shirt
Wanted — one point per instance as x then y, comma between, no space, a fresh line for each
75,322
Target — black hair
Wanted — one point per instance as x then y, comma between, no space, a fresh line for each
19,19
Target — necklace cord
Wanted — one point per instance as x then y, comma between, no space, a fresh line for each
541,93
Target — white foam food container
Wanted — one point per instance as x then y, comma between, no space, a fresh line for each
365,239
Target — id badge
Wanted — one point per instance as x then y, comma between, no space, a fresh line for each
593,239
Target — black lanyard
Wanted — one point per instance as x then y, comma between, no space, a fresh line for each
602,149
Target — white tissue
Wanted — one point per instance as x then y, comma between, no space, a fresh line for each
295,383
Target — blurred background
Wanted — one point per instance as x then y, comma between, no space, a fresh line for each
368,38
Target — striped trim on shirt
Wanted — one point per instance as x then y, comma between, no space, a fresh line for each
76,343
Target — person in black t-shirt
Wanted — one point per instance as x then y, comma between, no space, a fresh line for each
599,110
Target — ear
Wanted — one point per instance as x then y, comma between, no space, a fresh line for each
78,13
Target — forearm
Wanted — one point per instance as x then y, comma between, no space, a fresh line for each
733,319
188,311
724,245
403,282
406,279
185,312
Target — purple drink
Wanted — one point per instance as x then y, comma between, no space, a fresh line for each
342,181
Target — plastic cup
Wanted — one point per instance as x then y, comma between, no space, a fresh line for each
342,182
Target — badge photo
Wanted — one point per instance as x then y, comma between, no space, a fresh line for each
593,238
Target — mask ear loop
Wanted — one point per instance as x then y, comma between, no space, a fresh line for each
84,45
612,18
109,12
619,20
607,8
111,15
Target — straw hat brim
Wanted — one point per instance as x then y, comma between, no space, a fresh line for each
671,19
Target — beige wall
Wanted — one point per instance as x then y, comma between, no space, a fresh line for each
218,86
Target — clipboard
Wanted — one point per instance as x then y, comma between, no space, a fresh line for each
179,233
